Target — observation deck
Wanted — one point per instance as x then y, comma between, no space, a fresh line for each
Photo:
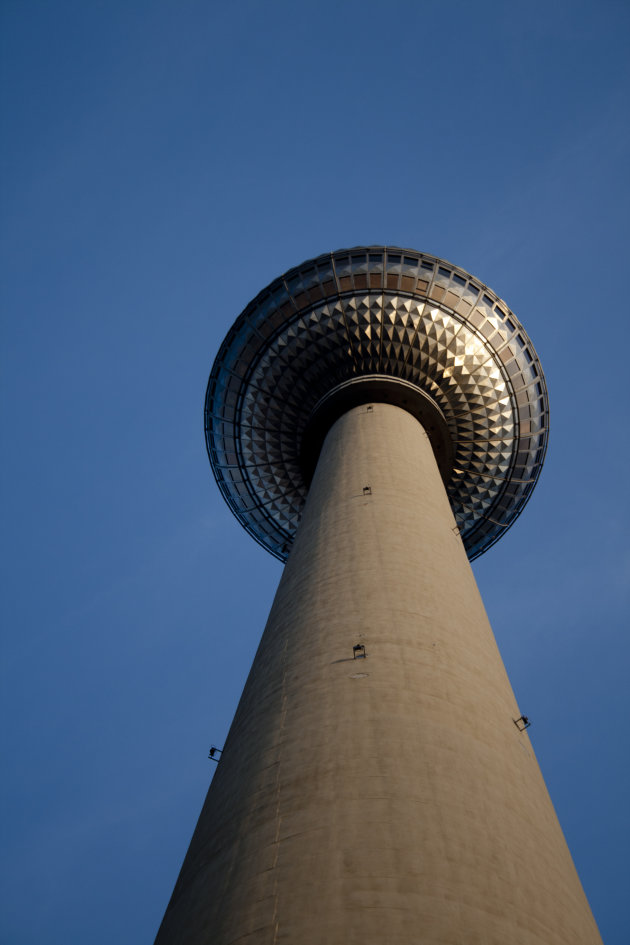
375,324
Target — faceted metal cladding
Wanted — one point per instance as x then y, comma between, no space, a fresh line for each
388,312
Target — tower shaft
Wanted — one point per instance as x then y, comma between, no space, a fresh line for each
387,799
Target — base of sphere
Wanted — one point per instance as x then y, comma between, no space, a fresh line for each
376,388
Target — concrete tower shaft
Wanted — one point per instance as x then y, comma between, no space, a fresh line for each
390,798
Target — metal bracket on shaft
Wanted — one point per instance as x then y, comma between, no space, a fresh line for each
522,723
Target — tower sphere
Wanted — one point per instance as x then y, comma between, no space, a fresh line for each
374,324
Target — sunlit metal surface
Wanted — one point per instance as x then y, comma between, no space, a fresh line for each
376,311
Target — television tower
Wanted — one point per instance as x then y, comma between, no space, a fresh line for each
377,417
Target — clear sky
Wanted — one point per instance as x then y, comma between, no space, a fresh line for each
162,162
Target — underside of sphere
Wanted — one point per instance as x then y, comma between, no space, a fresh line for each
385,313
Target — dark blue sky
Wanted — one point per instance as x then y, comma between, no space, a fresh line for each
162,162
